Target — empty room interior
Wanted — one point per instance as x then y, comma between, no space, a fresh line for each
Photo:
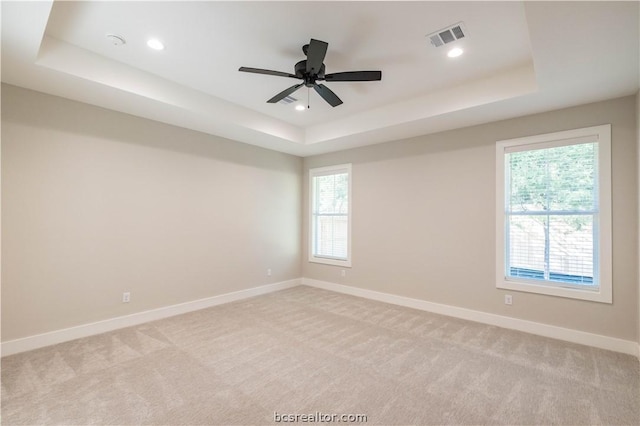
320,212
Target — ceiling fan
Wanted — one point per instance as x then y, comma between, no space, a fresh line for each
312,70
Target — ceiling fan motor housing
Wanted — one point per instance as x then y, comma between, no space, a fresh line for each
309,79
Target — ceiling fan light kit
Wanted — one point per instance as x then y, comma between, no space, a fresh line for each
312,70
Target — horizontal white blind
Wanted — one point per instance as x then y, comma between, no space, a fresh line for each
551,208
330,215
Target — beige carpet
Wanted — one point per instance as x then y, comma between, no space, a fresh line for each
306,350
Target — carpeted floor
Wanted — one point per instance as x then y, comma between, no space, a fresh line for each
305,350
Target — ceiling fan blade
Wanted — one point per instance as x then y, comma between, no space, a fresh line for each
267,72
315,55
326,93
354,76
280,96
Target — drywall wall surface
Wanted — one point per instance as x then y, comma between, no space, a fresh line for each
96,203
424,220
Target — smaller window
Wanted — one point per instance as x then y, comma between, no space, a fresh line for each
330,218
554,214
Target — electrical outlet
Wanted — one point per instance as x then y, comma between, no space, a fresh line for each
126,297
508,299
269,272
343,273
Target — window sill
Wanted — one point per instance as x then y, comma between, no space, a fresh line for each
327,261
571,293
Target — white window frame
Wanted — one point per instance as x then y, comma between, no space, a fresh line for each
603,270
324,171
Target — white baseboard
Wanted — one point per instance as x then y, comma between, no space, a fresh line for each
566,334
46,339
41,340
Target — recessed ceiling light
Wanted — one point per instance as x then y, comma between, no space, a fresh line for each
300,108
155,44
455,52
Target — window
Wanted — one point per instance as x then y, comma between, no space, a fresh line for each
330,191
554,214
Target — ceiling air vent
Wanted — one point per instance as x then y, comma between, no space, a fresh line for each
288,100
448,35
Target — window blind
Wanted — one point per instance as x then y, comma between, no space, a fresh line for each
330,215
551,207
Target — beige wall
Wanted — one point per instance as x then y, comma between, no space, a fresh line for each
424,220
638,164
96,202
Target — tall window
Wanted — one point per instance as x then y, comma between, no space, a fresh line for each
554,214
330,227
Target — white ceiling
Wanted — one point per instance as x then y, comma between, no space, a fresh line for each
520,58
